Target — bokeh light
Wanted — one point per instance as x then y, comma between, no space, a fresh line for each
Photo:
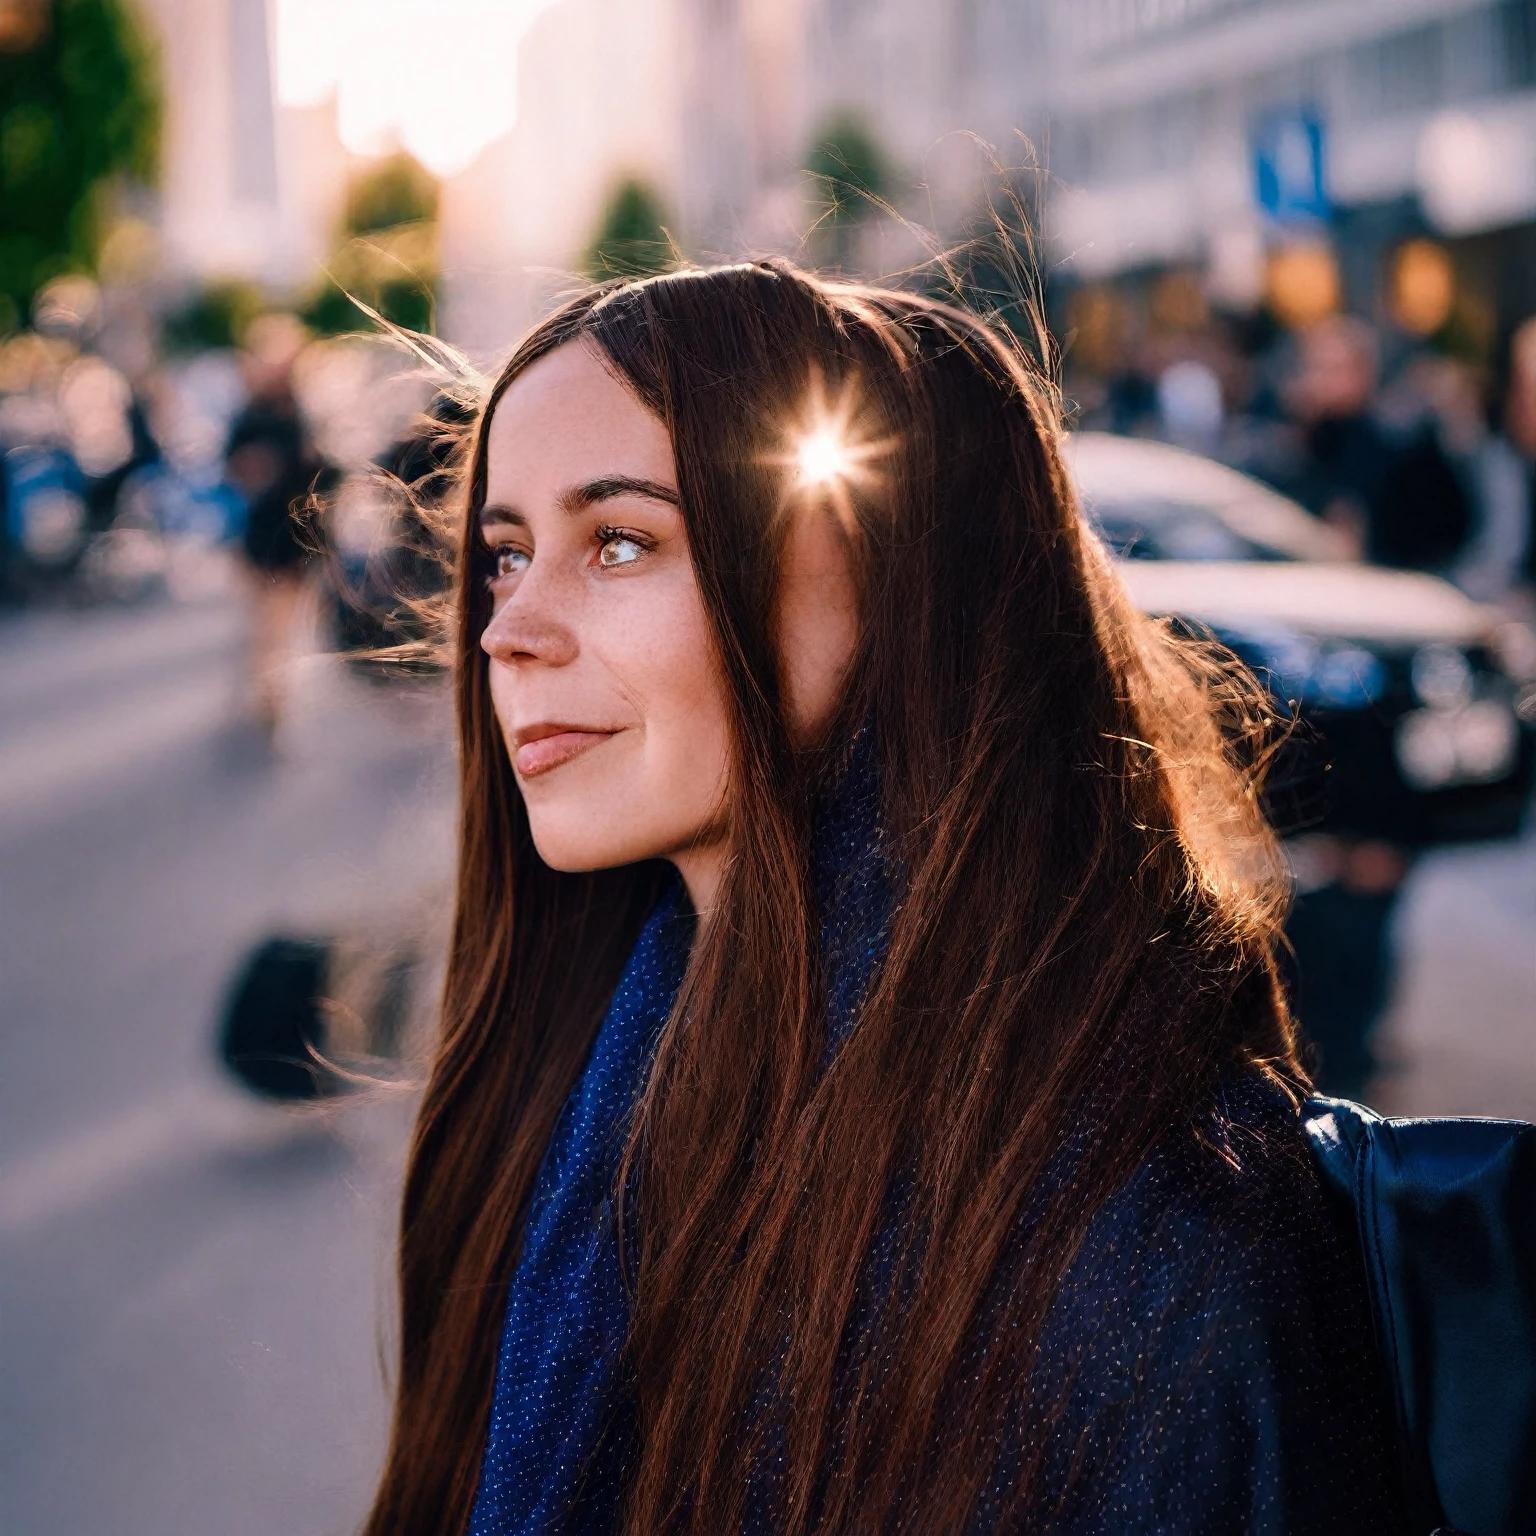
1423,288
1303,284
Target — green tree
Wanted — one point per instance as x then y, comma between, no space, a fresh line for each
853,178
631,240
80,107
398,190
387,251
214,315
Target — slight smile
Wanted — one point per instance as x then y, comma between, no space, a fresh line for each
543,747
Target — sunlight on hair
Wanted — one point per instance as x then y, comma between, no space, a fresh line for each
830,452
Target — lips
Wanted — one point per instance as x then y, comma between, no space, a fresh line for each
543,747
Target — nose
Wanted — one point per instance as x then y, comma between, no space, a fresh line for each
527,628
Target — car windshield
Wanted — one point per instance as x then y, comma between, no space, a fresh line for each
1153,501
1150,529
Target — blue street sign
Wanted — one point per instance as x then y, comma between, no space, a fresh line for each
1288,172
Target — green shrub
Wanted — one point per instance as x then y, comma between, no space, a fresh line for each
632,239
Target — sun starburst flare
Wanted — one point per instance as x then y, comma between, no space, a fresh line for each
822,456
829,453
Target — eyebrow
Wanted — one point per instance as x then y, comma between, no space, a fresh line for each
588,494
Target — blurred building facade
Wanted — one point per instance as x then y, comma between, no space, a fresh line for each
599,89
1156,122
1420,115
249,187
713,103
1152,120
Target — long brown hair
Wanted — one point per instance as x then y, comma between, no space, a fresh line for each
1083,938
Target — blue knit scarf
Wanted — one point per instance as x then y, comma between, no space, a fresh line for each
561,1415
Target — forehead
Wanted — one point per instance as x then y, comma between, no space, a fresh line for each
566,419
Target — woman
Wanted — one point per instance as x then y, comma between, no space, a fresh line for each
864,1100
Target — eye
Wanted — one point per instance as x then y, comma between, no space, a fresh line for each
616,548
510,560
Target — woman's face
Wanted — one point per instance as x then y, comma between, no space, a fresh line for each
603,671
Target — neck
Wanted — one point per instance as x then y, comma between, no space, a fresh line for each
701,868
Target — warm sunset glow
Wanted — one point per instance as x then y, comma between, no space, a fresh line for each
435,77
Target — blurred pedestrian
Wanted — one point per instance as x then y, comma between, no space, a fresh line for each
1394,490
1189,405
271,460
1490,472
1341,959
864,1099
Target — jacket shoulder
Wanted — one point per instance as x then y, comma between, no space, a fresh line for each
1209,1357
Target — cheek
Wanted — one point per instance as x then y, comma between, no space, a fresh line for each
660,785
664,661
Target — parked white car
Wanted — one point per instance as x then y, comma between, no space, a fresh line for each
1426,700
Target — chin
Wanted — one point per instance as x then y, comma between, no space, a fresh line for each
575,845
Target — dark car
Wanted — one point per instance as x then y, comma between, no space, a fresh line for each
1425,701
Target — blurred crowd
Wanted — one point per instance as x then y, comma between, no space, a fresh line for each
1416,446
110,460
1420,454
131,471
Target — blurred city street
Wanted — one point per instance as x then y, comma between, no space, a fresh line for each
1275,260
1457,1040
193,1280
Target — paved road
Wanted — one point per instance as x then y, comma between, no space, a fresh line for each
1461,1036
192,1284
191,1281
